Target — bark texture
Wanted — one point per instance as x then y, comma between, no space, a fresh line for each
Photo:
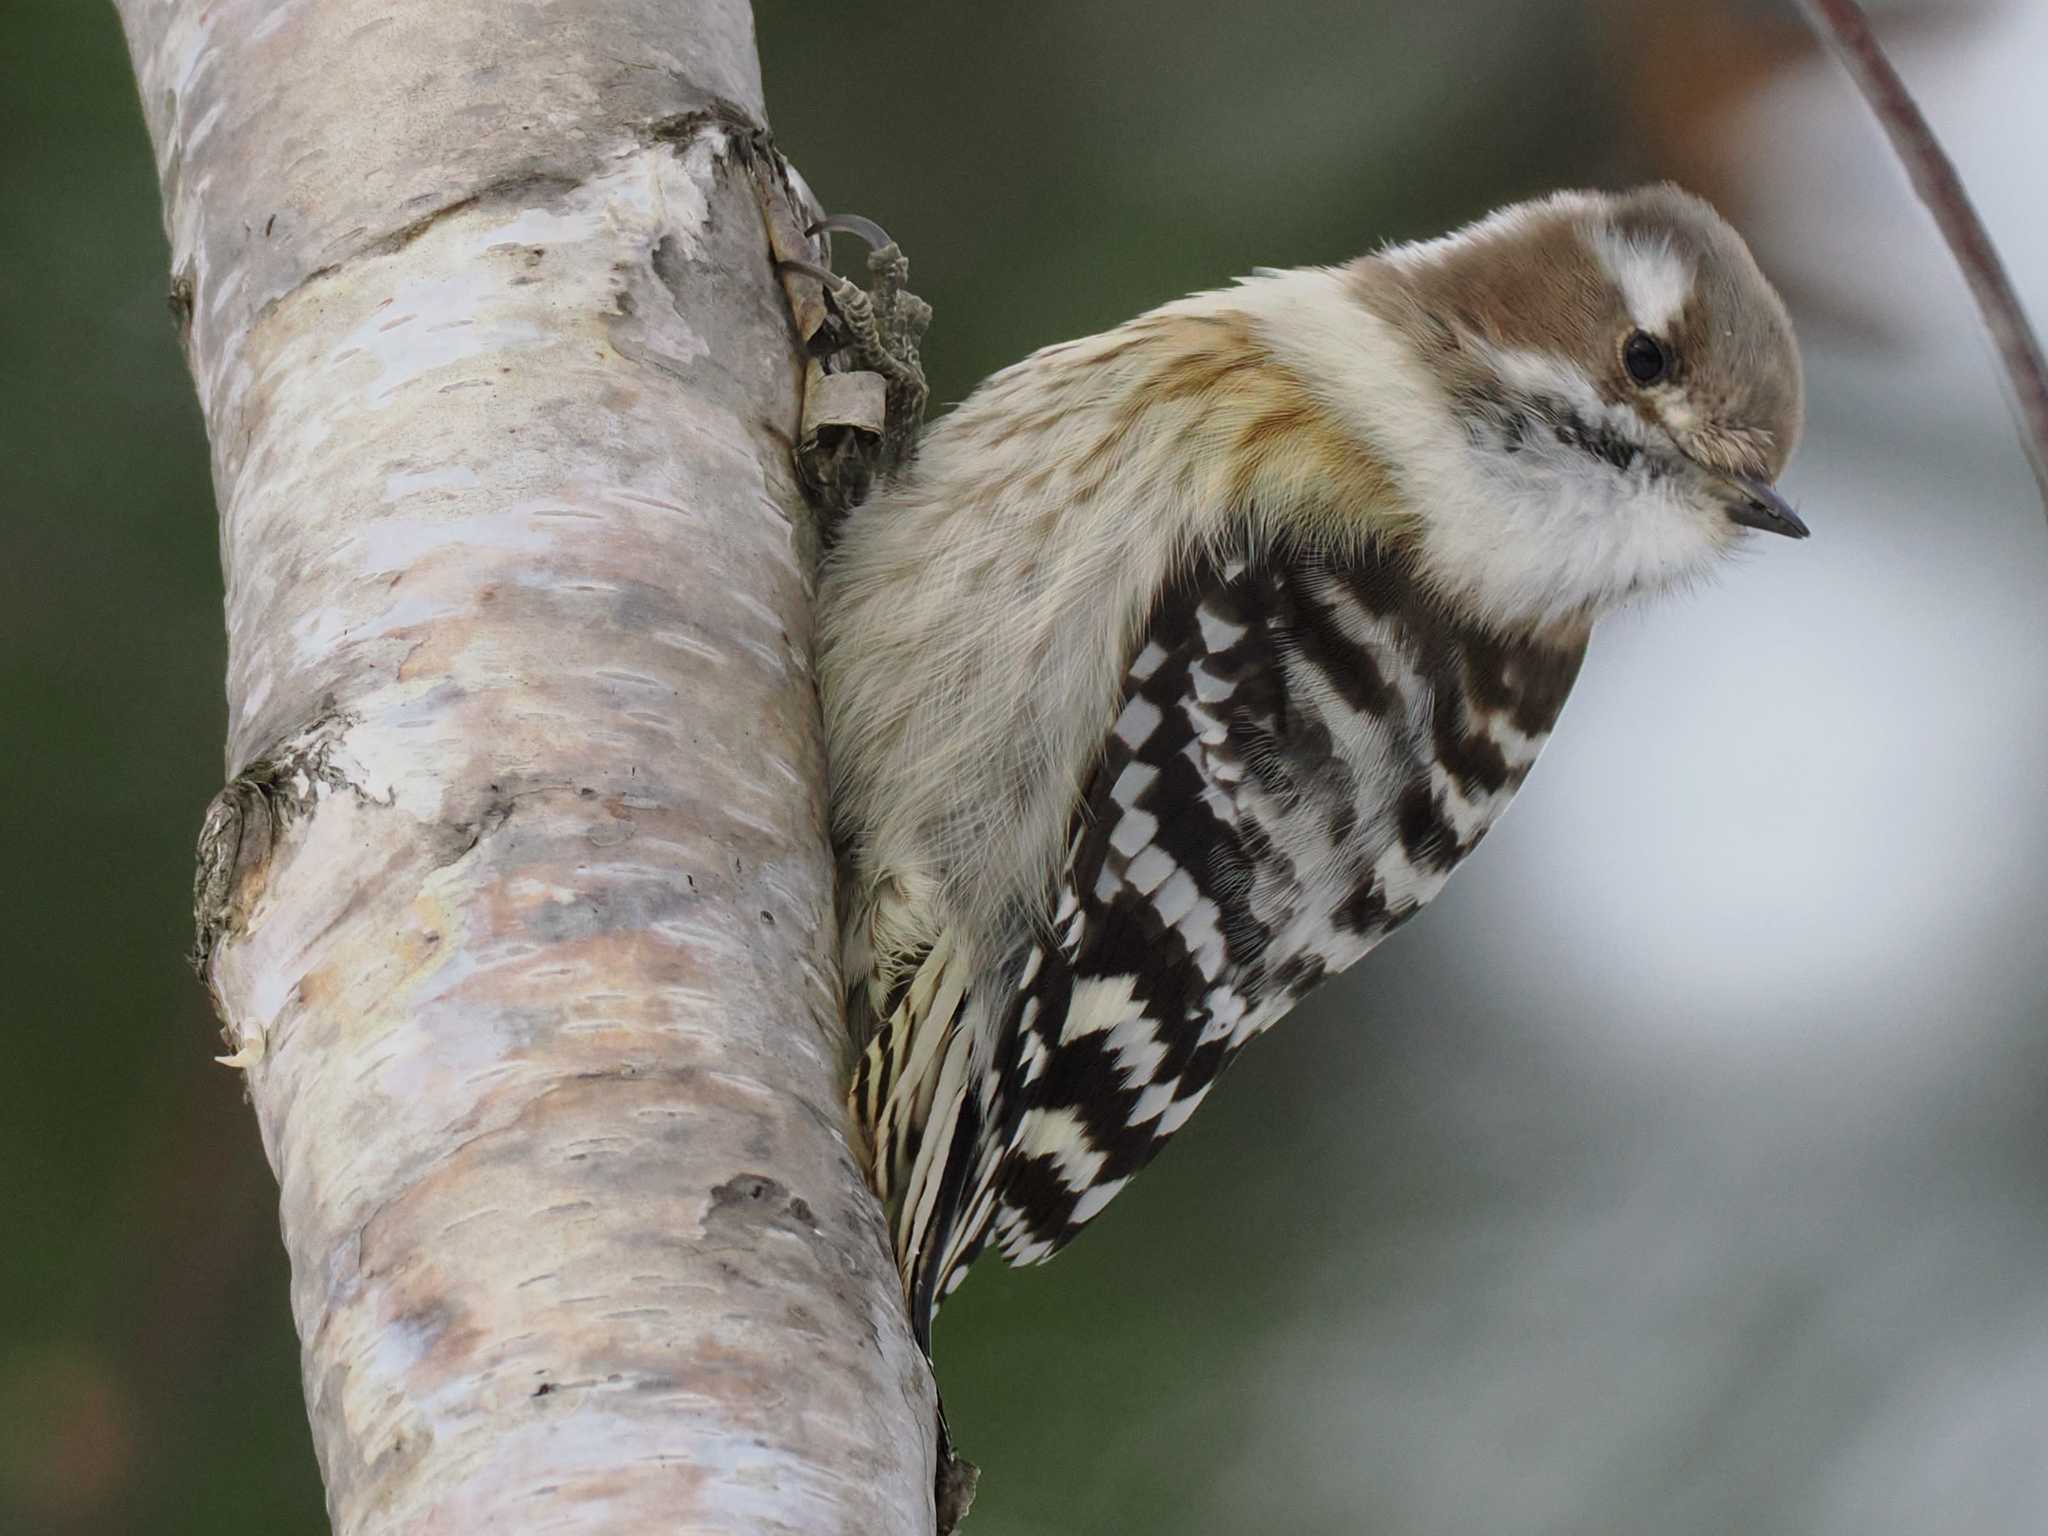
519,899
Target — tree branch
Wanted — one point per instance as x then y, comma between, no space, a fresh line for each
518,907
1845,28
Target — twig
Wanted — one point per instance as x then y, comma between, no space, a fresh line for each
1845,28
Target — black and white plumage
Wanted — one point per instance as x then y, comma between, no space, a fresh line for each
1186,662
1303,753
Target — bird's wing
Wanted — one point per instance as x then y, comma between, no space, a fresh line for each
1113,1019
1156,970
1301,754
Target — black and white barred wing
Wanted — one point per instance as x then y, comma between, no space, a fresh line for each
1302,752
1155,972
1113,1023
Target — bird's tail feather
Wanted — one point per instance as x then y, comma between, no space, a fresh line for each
912,1097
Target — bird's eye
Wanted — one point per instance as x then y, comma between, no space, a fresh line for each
1644,357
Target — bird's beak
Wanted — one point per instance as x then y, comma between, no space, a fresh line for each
1755,504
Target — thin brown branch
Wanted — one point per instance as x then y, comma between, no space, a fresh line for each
1846,29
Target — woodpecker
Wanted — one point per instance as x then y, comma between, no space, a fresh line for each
1181,664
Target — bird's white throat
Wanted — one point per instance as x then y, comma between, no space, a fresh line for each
1516,520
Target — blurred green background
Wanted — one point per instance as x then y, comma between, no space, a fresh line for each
1680,1172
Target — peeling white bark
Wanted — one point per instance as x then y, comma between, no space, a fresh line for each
522,892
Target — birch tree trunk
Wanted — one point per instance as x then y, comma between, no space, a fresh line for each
517,908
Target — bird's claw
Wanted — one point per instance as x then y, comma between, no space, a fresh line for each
857,225
874,331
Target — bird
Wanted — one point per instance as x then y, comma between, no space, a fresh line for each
1179,665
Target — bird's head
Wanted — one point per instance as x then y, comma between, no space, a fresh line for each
1597,393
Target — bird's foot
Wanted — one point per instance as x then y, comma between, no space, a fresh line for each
864,395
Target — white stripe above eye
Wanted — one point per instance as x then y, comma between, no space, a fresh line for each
1654,280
